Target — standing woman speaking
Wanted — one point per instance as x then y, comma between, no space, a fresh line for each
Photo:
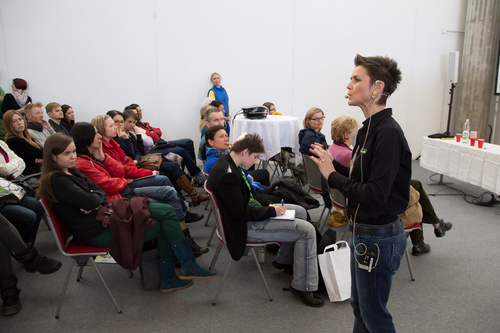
377,190
218,93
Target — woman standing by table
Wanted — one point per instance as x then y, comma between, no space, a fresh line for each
377,189
218,93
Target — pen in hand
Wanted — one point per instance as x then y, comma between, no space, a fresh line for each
282,202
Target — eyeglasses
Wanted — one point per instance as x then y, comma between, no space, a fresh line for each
271,110
119,121
318,119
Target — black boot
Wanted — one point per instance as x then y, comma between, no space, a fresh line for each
197,250
10,295
34,262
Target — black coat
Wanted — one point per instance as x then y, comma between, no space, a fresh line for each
232,194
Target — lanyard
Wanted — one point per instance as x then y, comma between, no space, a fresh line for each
248,184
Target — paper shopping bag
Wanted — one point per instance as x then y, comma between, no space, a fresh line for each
335,264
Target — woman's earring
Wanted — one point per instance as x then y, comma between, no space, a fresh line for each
374,94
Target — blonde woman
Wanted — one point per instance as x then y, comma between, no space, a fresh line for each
341,129
218,93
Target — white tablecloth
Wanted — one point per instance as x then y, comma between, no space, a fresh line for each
479,167
276,132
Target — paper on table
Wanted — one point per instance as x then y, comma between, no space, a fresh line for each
289,215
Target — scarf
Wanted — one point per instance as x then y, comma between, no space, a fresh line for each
21,99
35,126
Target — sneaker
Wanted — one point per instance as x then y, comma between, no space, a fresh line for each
43,265
421,249
443,228
193,217
197,250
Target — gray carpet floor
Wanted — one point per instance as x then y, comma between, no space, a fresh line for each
456,287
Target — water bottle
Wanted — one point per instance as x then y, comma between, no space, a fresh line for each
466,131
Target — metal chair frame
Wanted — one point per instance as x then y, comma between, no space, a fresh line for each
222,241
82,254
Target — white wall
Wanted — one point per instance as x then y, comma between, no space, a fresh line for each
102,55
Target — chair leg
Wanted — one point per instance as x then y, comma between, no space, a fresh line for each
221,284
409,265
206,205
46,221
216,256
208,216
256,260
92,262
65,287
80,272
211,236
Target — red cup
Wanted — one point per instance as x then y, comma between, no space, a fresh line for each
480,143
472,142
458,137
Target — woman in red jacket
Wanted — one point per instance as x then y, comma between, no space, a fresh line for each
110,175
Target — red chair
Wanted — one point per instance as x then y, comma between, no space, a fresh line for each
222,238
82,254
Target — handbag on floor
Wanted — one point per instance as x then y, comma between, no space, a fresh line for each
149,267
335,264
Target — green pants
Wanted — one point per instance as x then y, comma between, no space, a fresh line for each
166,230
429,215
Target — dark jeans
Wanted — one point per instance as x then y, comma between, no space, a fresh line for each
187,144
187,160
370,290
430,217
25,216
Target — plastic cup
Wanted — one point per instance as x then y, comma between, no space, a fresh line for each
480,143
472,142
458,137
473,134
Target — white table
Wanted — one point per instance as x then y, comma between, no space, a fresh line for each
479,167
276,132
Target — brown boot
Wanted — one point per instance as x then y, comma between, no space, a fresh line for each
186,186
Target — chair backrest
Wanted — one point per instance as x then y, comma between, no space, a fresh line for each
313,174
61,233
337,198
219,227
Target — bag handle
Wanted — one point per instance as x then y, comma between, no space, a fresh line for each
336,246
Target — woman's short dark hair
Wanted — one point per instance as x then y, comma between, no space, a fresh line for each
383,69
209,134
83,135
252,142
20,84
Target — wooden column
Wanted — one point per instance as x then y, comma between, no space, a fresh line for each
478,66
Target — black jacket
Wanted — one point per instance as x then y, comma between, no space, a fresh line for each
232,194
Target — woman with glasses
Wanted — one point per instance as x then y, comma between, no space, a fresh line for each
311,133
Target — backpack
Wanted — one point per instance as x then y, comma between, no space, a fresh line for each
292,193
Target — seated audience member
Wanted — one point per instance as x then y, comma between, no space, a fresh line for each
170,169
19,140
245,219
69,117
213,104
28,212
202,126
18,99
56,115
156,134
213,117
311,133
146,139
188,159
420,210
272,109
11,244
341,130
156,187
217,145
38,127
77,200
